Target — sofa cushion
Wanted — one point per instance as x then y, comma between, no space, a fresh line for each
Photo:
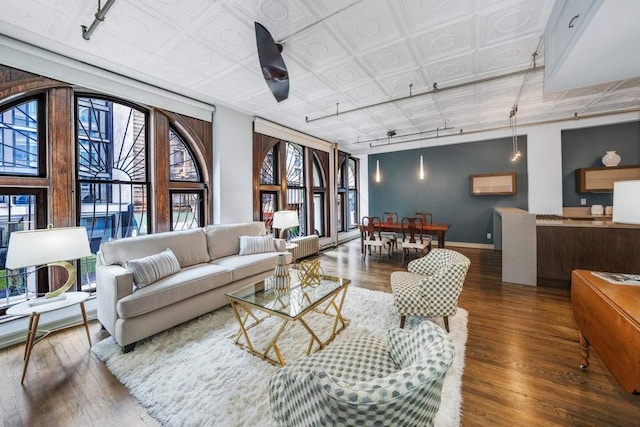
250,265
256,244
186,283
189,247
152,268
224,240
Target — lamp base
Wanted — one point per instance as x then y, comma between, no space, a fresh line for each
71,271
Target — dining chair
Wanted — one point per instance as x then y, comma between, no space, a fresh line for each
371,237
390,218
427,219
413,238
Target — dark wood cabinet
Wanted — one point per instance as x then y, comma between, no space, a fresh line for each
563,249
601,179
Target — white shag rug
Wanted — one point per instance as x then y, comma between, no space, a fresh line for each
192,375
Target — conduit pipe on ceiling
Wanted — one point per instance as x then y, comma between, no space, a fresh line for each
435,89
100,15
544,122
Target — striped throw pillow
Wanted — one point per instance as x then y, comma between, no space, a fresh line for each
152,268
256,244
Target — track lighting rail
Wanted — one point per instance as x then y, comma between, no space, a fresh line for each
435,89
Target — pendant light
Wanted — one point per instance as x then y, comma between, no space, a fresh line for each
421,172
514,133
376,177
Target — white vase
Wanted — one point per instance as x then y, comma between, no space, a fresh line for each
611,158
281,278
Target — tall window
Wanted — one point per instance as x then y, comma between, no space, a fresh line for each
269,188
295,177
20,211
22,148
319,194
296,191
21,151
347,192
186,187
113,178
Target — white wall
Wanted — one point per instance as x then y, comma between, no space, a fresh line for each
232,166
544,169
364,185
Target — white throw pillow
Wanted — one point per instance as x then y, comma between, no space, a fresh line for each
256,244
152,268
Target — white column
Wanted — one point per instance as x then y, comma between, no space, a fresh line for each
232,166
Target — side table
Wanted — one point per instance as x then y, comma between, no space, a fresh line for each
34,311
290,247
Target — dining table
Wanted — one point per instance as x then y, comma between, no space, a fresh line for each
438,229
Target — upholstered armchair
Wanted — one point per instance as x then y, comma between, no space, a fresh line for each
366,381
431,286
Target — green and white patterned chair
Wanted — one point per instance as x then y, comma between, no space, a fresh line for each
431,286
366,381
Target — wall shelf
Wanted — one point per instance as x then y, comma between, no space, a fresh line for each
601,179
492,184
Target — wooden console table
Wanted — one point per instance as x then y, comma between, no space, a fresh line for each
608,318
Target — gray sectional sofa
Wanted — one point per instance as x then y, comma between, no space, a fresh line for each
210,266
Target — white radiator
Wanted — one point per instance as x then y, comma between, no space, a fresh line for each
307,246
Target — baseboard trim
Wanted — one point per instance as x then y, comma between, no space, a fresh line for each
469,245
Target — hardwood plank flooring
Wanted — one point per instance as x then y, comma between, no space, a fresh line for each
521,368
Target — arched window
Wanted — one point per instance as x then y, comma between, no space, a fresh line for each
182,167
22,148
296,193
268,173
320,212
113,176
21,130
347,192
187,200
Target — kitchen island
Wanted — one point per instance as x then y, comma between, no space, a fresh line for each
591,243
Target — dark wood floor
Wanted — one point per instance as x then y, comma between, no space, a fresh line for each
521,368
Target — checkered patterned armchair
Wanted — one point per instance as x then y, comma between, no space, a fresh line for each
366,381
432,285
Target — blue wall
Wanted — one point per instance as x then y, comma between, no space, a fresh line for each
584,148
445,191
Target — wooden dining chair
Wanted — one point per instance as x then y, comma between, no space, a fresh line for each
371,237
413,238
390,218
427,218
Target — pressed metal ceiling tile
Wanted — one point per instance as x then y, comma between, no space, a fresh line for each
351,52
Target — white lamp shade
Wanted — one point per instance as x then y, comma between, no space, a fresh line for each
39,247
626,202
285,219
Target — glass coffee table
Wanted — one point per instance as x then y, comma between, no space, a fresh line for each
259,301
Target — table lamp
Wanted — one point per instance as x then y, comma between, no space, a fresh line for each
50,247
283,220
626,202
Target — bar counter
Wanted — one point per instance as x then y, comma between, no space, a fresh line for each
564,245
